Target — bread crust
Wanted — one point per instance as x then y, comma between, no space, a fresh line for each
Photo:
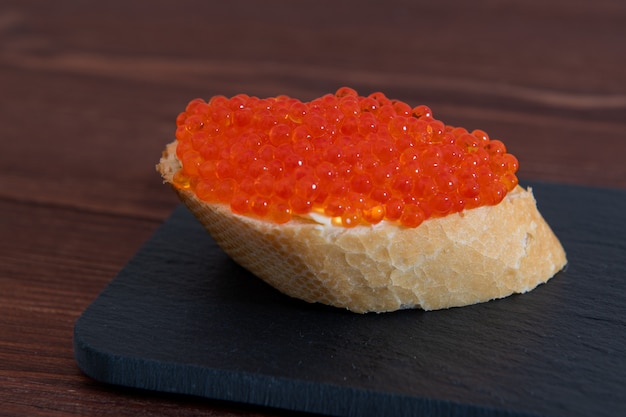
461,259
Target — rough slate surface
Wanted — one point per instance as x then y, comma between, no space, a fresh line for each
182,317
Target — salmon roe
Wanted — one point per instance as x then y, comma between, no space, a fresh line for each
358,160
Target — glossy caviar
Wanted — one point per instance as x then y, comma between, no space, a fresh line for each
356,159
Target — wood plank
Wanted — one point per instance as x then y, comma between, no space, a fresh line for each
105,102
89,92
100,155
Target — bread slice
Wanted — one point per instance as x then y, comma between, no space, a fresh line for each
461,259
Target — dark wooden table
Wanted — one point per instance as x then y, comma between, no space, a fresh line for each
89,92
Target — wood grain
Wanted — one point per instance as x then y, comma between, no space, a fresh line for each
90,90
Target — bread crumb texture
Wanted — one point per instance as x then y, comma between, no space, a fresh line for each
461,259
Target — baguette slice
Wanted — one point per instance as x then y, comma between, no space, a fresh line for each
470,257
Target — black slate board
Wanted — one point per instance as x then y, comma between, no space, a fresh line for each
182,317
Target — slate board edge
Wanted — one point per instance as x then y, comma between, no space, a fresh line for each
265,390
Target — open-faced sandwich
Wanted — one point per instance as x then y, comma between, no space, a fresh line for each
360,202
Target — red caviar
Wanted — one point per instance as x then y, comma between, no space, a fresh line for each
359,160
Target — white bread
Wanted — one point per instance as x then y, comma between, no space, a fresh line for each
461,259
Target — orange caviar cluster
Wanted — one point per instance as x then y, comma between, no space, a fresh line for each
355,159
